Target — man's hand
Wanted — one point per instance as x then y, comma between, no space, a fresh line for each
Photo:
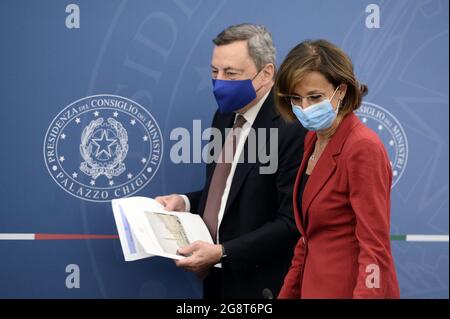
202,256
174,203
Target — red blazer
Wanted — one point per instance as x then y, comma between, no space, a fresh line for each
345,250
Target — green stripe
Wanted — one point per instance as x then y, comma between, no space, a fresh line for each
398,237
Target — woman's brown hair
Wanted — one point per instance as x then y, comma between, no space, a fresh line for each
320,56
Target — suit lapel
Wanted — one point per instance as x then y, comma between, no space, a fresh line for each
309,147
321,173
326,164
263,120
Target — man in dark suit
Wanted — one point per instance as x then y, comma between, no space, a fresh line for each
246,204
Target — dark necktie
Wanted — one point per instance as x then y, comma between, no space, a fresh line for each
219,179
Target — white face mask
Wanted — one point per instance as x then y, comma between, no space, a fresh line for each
318,116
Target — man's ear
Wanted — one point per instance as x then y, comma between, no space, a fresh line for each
268,73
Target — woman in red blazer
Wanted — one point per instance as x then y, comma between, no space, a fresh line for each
342,191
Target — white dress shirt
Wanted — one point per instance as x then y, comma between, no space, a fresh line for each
250,116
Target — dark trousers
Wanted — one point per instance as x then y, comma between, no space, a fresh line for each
212,285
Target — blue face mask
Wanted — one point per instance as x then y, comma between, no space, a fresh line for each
318,116
233,95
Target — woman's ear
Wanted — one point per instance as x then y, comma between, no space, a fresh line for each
342,91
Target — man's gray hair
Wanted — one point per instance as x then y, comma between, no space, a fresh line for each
259,40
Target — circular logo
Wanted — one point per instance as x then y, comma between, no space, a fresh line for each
103,147
391,133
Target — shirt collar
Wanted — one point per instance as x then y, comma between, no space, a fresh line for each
250,114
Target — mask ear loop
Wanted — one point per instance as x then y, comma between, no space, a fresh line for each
339,100
338,106
332,96
256,74
255,78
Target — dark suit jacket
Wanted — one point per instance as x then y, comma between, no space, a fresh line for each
345,219
258,228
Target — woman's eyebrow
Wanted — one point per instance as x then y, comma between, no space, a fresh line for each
315,92
309,93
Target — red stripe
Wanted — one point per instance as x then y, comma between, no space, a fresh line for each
72,236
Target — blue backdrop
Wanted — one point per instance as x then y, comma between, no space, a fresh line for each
157,53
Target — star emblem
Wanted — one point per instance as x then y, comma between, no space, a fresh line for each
130,176
92,182
133,122
103,145
116,114
96,113
62,159
63,136
74,175
144,160
145,138
77,120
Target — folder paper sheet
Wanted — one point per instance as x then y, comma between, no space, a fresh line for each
146,229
